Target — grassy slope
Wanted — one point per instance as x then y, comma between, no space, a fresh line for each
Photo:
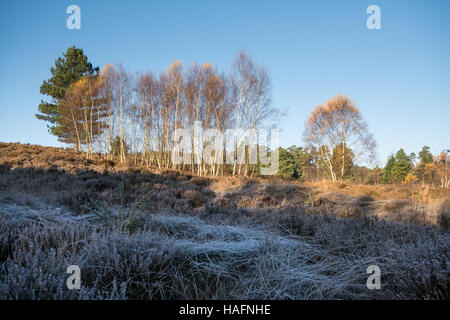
140,234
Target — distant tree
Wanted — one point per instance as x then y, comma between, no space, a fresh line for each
295,163
68,69
387,177
428,172
339,123
425,155
118,146
304,159
423,169
442,169
375,175
401,155
251,94
83,112
343,161
410,179
412,158
288,166
403,166
360,174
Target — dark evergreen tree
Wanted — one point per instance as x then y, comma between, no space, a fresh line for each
303,160
288,165
425,155
343,161
294,162
387,171
402,167
116,145
67,70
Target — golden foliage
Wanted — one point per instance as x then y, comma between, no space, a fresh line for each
410,179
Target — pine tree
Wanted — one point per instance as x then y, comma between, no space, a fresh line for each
343,161
67,70
303,159
387,172
402,166
116,146
426,158
288,166
425,155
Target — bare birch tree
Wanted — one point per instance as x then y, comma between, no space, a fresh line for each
339,123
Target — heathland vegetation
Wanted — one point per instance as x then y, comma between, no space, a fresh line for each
149,233
134,117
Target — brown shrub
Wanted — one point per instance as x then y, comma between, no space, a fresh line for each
266,200
323,201
341,185
196,199
364,200
200,182
171,174
395,205
224,203
443,219
348,211
159,186
245,202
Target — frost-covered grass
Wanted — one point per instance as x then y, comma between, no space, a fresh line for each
185,257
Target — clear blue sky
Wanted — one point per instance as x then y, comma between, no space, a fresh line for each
399,75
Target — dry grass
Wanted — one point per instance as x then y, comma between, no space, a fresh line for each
399,203
384,192
140,234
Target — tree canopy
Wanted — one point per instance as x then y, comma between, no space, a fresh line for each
339,124
68,69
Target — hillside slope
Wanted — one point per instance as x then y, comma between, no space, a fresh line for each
140,233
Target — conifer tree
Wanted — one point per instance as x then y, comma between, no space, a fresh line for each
425,155
343,161
387,172
68,69
402,166
288,165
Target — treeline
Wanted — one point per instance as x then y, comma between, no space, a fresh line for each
144,118
307,164
425,168
133,116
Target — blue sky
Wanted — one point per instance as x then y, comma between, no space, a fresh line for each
399,75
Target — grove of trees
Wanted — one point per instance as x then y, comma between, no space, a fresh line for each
306,164
136,117
424,169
